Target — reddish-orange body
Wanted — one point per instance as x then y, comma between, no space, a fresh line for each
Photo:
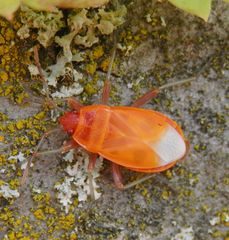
128,136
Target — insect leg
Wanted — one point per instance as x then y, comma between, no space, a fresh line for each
145,98
154,92
92,161
117,176
159,178
106,87
74,104
134,183
67,146
106,92
91,165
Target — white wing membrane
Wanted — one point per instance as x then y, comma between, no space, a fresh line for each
170,146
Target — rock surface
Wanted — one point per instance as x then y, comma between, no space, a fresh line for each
190,201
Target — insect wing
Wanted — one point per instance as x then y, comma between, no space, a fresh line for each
139,138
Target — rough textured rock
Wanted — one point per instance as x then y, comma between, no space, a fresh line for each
190,200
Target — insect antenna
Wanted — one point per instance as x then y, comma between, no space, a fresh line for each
107,85
26,171
154,92
108,76
45,84
168,85
47,92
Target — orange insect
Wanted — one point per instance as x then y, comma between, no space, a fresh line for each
139,139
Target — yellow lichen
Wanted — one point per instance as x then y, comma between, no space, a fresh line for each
25,238
6,214
35,135
50,210
90,89
73,236
42,197
66,222
3,117
2,40
3,77
2,182
17,222
11,127
11,64
14,152
39,214
104,65
20,124
91,68
19,98
40,115
144,192
22,141
11,236
9,34
8,90
2,127
97,53
169,174
14,183
2,159
165,195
